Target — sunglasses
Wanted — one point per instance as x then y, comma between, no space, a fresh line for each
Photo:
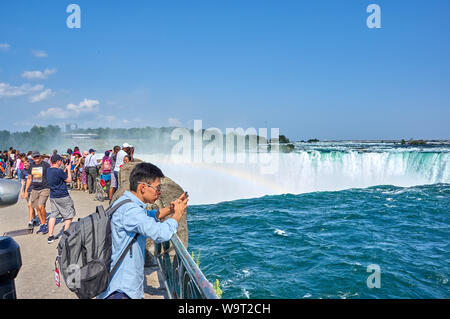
158,189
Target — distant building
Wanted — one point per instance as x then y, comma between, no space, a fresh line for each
69,130
81,135
69,127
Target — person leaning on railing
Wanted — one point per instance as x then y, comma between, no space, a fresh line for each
131,220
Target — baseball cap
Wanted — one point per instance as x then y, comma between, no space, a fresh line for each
91,150
35,154
126,145
55,158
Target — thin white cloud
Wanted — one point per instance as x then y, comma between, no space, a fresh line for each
38,75
174,122
41,96
55,112
72,110
4,47
85,106
108,118
40,54
7,90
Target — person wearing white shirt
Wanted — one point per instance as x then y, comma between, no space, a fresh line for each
119,160
91,170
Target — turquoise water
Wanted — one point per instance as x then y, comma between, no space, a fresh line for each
319,244
356,204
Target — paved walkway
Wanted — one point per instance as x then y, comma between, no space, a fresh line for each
36,278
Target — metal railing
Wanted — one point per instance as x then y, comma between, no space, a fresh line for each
183,278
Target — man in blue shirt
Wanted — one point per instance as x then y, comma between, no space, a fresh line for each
61,203
131,219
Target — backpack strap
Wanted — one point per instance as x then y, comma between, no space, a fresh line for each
113,271
100,210
113,209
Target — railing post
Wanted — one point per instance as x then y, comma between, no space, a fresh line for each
183,278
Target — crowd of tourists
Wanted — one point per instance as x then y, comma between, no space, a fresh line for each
44,176
51,176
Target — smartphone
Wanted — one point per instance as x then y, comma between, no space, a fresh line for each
186,194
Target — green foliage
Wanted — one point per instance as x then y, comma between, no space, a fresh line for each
283,139
313,140
217,289
216,285
197,260
417,142
413,142
146,139
38,138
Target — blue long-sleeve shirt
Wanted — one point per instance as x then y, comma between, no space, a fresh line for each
127,221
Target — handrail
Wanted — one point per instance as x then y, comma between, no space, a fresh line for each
183,279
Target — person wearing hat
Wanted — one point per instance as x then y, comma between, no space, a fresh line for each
76,173
119,160
61,203
91,170
40,191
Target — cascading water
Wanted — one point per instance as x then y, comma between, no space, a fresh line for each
307,170
362,204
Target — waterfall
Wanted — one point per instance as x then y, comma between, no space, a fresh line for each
305,171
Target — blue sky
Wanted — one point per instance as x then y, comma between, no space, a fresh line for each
311,68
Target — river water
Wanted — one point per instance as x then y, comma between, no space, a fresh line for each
330,217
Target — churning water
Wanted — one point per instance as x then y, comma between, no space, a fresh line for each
311,229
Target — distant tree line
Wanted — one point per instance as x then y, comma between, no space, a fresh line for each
49,137
36,139
130,133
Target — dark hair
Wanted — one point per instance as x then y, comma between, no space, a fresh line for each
144,172
116,148
69,151
76,149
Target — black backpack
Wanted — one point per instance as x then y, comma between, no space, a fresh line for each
84,253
